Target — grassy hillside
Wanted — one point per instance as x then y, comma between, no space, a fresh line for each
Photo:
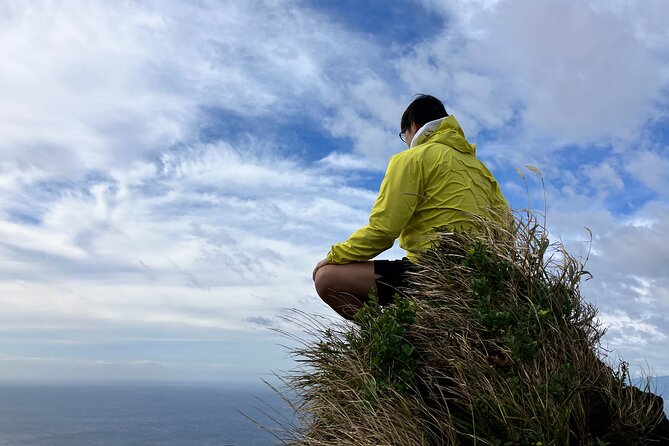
492,344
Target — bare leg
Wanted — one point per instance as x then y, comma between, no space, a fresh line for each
345,288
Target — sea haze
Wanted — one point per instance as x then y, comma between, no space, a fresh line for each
136,414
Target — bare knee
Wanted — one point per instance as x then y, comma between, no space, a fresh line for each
331,289
326,281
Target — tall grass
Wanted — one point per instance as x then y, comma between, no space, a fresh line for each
491,344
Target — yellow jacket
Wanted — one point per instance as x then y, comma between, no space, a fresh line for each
437,182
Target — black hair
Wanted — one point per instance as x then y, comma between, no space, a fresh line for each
423,109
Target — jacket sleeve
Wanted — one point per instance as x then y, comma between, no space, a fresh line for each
398,197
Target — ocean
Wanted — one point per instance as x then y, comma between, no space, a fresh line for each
136,415
144,415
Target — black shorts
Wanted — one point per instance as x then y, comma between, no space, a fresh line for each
393,278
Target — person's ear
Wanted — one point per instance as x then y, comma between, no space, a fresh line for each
414,128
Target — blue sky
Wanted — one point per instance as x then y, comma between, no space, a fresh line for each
170,172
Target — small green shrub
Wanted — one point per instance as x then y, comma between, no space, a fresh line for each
381,336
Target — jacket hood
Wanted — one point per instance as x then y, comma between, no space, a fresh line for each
444,131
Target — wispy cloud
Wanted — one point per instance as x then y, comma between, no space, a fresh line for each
173,171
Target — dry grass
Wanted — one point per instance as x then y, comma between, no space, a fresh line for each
492,344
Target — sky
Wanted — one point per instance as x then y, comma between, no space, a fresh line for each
171,171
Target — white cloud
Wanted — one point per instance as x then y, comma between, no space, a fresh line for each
554,72
345,161
637,250
370,139
197,243
97,84
586,76
624,326
454,69
651,169
76,88
628,258
604,177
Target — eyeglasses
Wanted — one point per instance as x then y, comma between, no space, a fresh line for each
402,136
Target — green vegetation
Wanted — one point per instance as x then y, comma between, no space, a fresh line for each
491,344
382,335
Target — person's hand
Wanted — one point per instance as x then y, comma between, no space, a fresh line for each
319,265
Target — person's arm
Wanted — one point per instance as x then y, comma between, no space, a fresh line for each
398,197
